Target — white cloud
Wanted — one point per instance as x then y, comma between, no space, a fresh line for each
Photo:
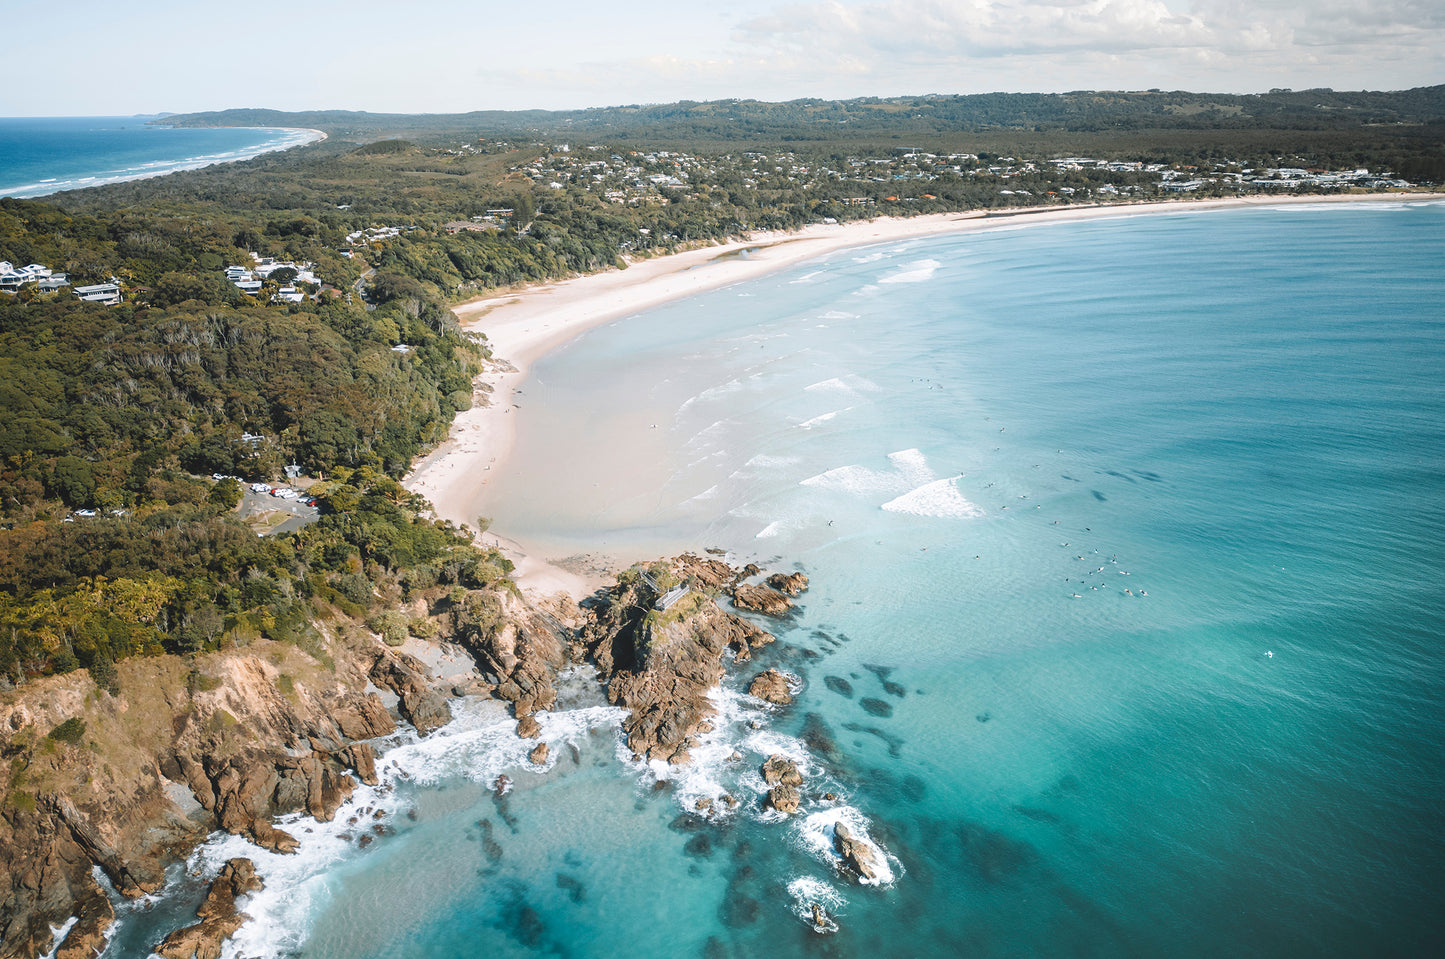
845,48
456,55
993,28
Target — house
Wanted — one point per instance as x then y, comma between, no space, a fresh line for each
107,294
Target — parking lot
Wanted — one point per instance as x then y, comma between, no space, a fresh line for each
269,514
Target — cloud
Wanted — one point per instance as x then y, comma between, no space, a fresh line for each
885,33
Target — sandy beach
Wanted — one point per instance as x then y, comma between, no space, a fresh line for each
523,325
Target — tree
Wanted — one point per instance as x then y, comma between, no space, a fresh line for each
74,481
225,495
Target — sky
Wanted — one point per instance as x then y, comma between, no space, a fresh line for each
447,56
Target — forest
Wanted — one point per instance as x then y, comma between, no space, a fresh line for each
125,413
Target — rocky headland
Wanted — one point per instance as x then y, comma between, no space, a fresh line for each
129,781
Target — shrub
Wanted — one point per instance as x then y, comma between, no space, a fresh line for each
70,731
390,625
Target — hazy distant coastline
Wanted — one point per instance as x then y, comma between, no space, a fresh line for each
42,156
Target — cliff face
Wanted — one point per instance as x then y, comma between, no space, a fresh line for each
129,783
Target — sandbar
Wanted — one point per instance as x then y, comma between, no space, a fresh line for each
522,325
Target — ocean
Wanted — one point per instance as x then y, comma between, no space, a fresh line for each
44,155
1123,639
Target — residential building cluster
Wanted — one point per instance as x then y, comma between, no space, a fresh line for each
250,280
13,279
658,177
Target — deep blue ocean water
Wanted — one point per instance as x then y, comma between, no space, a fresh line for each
1124,635
43,155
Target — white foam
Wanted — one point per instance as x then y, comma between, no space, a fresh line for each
815,834
712,774
822,418
712,393
832,385
940,498
706,439
913,465
856,479
918,272
839,315
707,494
806,277
773,529
807,890
765,461
58,934
869,257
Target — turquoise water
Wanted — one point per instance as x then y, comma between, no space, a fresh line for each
1224,431
44,155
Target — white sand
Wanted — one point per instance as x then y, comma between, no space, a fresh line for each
524,325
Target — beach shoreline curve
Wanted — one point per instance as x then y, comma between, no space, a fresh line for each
523,325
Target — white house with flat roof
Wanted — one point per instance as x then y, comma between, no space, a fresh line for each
107,294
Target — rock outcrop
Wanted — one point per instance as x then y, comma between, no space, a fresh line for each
772,686
661,664
856,854
417,701
785,799
790,583
781,769
517,648
218,914
761,599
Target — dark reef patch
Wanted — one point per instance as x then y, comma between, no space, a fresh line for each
895,743
1099,496
572,886
876,707
738,910
819,738
519,920
995,856
839,685
490,846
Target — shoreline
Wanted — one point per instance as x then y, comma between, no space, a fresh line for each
524,325
72,186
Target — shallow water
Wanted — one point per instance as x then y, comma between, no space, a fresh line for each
1224,431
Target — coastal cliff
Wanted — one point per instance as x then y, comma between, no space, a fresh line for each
114,786
130,782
